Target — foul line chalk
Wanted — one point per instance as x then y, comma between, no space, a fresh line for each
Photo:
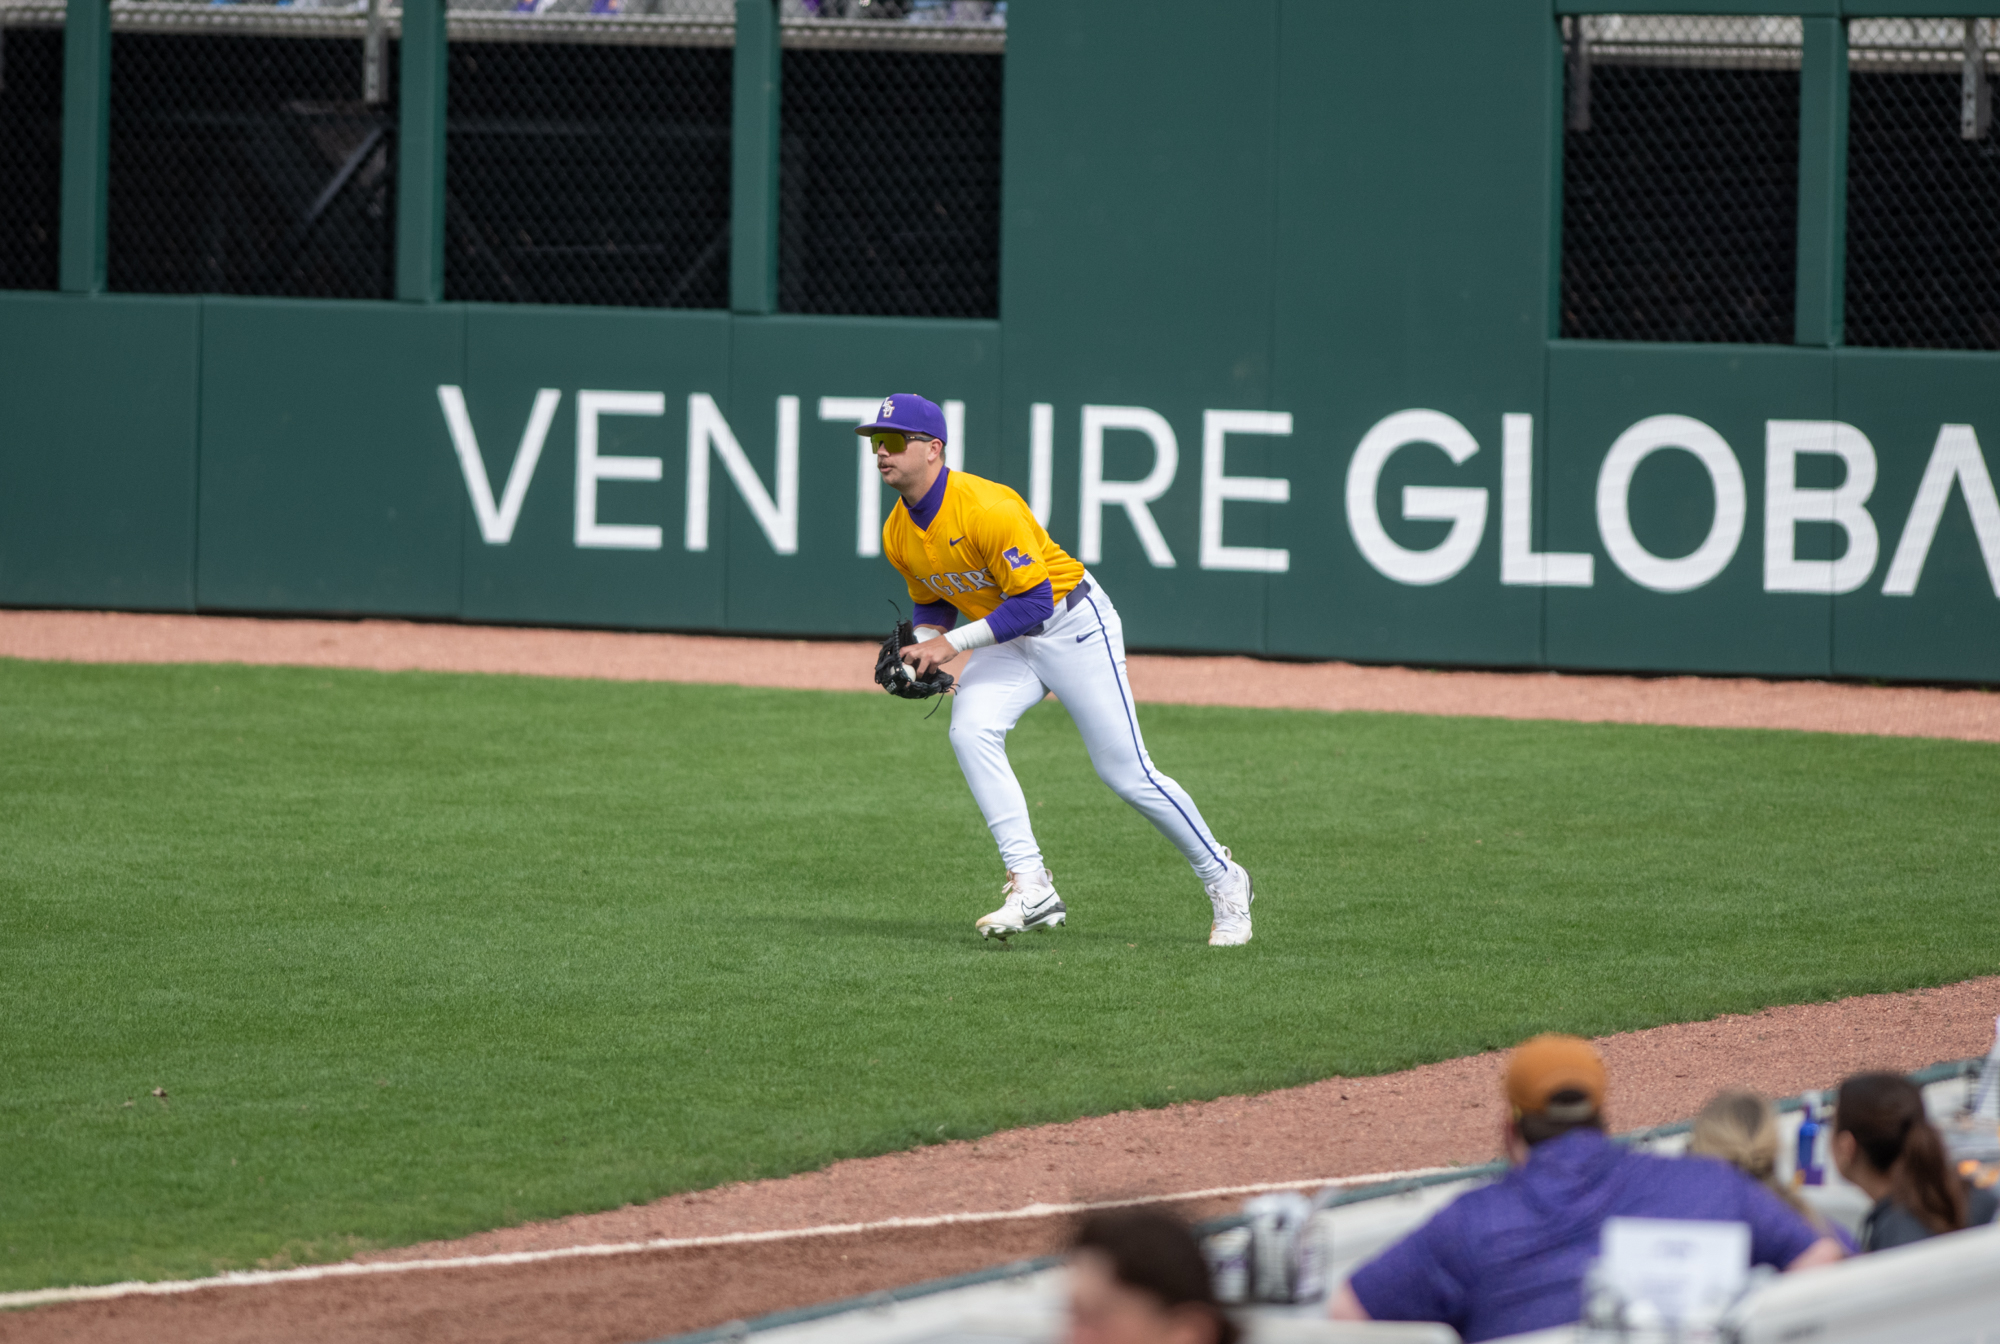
349,1269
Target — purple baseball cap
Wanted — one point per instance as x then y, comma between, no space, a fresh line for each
910,413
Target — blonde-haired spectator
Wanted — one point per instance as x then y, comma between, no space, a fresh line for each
1741,1128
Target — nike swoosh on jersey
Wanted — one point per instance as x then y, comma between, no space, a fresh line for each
956,540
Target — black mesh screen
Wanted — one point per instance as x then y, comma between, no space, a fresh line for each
249,165
1680,185
1923,215
582,173
889,195
31,74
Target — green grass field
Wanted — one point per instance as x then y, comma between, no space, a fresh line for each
417,954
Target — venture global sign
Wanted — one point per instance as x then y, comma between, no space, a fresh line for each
1956,465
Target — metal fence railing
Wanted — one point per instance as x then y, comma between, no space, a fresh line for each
953,13
588,153
889,177
31,74
1680,178
1923,184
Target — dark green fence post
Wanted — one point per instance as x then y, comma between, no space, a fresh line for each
86,143
753,167
420,154
1558,123
1822,184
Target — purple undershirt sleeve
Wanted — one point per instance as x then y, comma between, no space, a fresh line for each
1022,612
941,614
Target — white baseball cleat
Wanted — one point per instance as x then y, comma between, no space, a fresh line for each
1231,898
1031,903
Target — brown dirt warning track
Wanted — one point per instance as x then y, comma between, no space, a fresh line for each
1697,702
1438,1115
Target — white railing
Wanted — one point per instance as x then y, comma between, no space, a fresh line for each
1775,41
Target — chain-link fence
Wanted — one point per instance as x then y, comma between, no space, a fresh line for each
1680,178
889,167
1923,185
588,155
31,74
251,153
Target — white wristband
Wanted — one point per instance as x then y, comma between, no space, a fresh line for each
975,636
928,632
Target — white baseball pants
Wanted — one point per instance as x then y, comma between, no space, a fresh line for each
1080,655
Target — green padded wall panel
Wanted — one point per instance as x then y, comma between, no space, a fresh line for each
1727,623
97,450
322,484
541,574
1948,628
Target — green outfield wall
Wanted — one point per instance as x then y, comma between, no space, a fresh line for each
1274,356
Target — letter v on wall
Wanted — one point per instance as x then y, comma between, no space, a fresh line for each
496,522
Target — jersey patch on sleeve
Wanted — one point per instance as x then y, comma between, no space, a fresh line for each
1016,559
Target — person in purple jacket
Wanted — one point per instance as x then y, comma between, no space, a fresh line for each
1510,1257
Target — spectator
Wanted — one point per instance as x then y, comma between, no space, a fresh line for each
1510,1257
1883,1142
1138,1277
1741,1128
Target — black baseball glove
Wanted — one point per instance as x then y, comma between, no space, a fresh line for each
897,677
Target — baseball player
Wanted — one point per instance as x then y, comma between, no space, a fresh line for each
1037,622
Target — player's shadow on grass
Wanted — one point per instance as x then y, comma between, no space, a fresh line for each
910,932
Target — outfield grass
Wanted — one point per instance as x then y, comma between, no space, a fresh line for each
419,954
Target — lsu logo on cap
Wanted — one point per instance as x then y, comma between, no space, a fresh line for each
888,408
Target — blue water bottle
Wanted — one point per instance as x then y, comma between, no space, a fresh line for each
1807,1170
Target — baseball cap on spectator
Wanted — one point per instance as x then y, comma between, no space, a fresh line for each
909,413
1560,1077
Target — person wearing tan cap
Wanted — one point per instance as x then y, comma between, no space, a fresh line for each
1508,1258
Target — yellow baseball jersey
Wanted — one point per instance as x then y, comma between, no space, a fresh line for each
983,546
